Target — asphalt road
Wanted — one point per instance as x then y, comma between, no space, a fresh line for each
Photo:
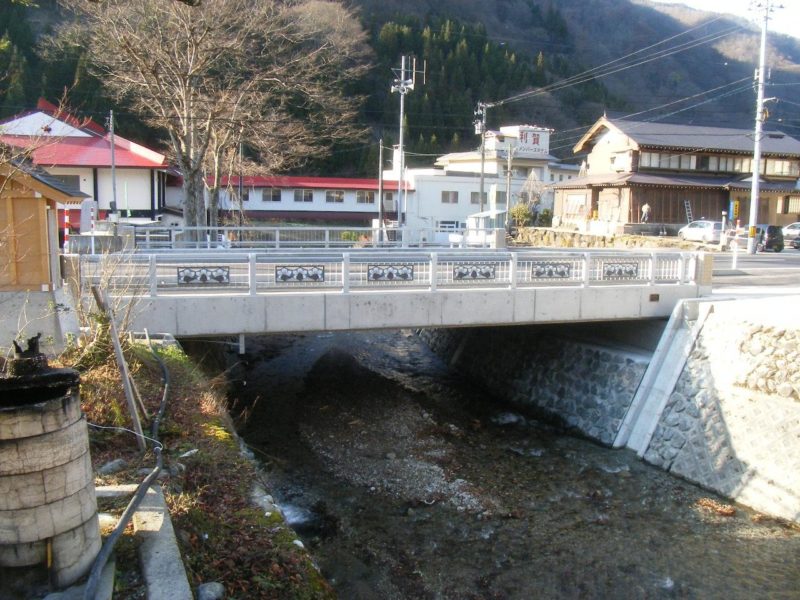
764,273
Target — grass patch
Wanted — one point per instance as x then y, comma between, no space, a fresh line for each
222,536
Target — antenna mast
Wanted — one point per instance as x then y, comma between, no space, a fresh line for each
405,78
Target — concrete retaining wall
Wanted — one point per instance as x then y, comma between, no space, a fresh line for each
581,384
730,423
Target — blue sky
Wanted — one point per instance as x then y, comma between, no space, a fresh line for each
785,20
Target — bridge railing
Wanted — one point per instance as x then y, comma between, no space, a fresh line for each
150,238
260,273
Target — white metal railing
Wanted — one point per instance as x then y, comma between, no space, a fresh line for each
357,270
149,238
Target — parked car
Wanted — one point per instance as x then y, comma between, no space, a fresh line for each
701,231
768,237
791,231
796,243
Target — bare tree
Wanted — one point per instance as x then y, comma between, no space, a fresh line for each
270,73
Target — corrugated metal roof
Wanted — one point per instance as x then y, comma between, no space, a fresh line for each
88,152
697,137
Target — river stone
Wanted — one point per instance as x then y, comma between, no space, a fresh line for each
213,590
785,389
114,466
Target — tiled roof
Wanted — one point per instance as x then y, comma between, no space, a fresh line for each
673,180
45,178
696,137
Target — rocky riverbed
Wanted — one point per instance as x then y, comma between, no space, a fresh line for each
408,481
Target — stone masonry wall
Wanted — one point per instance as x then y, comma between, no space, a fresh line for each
584,386
732,423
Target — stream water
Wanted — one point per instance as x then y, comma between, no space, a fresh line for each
406,480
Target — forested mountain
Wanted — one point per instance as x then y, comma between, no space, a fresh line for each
486,50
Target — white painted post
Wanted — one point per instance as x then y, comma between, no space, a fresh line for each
345,270
152,275
434,266
587,261
653,263
735,260
327,238
512,271
251,274
277,238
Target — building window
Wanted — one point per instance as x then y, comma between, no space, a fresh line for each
449,225
388,200
687,162
782,167
791,205
449,197
474,197
365,197
499,197
334,196
246,195
271,195
523,197
304,195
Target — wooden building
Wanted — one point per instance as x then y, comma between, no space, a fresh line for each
682,172
29,227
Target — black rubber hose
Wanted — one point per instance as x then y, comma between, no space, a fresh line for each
90,591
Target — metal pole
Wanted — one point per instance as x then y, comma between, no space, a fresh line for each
508,185
402,210
241,190
380,190
113,204
754,190
482,109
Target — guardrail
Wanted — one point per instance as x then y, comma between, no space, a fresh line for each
261,273
252,237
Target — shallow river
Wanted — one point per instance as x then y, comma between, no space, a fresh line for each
406,480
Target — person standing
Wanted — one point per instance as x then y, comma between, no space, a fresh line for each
645,213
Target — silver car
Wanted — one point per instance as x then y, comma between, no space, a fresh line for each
701,231
791,231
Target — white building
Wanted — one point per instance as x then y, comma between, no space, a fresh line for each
444,196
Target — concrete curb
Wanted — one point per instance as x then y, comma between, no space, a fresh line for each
160,558
159,555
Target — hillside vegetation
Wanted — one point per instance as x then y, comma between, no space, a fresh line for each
480,51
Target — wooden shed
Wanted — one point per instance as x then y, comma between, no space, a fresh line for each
29,227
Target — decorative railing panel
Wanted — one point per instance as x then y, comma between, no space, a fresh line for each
237,273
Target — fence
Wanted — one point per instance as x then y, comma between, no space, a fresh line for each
359,269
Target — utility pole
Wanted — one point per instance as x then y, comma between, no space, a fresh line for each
113,203
403,84
241,185
752,243
480,128
510,152
380,190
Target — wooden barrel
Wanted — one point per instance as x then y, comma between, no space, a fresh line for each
46,481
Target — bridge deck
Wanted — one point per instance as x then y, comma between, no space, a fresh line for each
365,289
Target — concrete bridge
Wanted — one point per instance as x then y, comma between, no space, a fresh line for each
236,293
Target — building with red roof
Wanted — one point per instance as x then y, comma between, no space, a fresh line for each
81,154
